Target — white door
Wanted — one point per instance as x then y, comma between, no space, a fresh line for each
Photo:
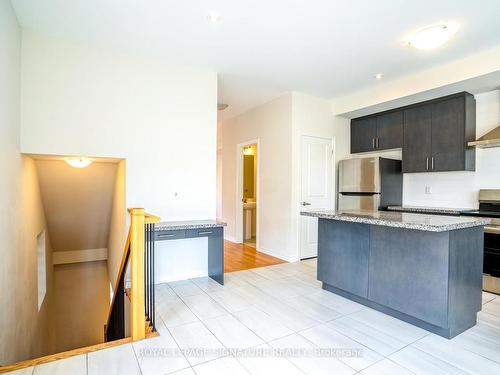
316,188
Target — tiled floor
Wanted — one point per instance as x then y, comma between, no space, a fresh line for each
283,308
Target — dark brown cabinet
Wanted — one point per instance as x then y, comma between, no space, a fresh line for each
432,134
363,134
436,135
417,139
381,132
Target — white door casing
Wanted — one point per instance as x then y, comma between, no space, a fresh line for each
316,188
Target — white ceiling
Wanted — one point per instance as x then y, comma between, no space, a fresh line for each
262,48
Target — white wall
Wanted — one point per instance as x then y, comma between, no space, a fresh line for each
81,100
460,189
313,116
271,123
278,125
25,331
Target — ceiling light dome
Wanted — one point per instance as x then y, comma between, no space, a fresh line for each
432,36
79,162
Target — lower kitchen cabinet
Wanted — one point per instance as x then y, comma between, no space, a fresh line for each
346,270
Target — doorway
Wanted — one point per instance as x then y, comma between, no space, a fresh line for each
317,188
249,195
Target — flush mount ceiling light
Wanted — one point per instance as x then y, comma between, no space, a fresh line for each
378,76
214,18
432,36
78,162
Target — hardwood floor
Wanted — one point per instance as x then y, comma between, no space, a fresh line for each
238,257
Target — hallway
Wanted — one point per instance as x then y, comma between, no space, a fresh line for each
238,257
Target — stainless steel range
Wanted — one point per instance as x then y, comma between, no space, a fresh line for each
489,206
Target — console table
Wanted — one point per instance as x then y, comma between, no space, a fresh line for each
212,229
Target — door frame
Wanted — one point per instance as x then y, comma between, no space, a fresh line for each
239,192
333,188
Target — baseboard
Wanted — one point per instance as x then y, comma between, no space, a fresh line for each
277,254
230,238
180,277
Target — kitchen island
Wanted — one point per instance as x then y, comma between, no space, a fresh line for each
424,269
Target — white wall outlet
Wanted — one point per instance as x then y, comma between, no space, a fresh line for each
175,196
428,190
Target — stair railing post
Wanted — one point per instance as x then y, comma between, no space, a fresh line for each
137,305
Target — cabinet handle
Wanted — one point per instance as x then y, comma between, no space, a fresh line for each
373,143
432,163
427,163
377,141
202,233
166,235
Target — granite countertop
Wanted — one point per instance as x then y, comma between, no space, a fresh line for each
430,223
190,224
436,210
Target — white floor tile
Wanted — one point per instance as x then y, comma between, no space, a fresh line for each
386,367
187,289
252,294
268,364
230,300
233,281
159,355
450,352
310,278
76,365
486,346
370,337
277,288
207,284
264,325
200,343
220,366
489,319
422,363
188,371
402,331
492,307
309,361
326,337
175,313
118,360
204,307
247,276
313,309
287,315
487,297
268,273
232,333
335,302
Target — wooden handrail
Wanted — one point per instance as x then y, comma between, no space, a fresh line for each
134,253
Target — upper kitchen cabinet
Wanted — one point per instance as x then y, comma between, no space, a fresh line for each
380,132
363,134
436,135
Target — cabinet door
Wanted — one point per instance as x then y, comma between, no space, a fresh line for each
363,134
390,130
417,139
408,272
343,253
448,135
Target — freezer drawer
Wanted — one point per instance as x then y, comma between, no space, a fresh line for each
359,202
359,175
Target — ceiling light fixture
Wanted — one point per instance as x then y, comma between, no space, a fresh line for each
378,76
432,36
214,18
78,162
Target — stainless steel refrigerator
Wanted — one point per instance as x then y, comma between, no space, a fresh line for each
370,183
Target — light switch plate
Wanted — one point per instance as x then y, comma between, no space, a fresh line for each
428,190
